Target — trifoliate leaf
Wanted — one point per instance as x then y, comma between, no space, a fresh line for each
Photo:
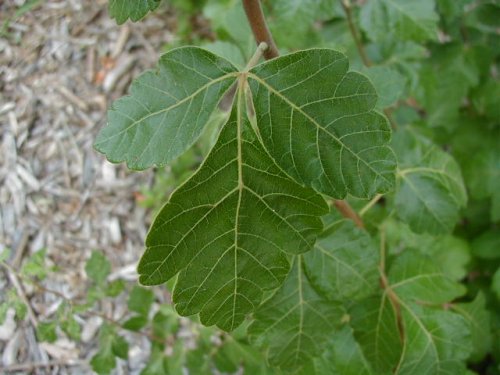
431,190
122,10
228,229
478,317
316,119
407,20
344,263
167,109
296,323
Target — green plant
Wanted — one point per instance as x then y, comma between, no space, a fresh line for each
315,237
249,237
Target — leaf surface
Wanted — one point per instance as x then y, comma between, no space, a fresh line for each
167,110
122,10
431,189
409,19
229,230
403,333
317,121
296,323
478,317
344,263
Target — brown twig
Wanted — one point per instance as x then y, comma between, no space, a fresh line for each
354,32
347,211
259,27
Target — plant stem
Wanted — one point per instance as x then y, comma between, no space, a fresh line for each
259,52
370,204
259,27
362,53
261,34
347,211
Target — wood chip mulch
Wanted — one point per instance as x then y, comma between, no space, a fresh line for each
62,63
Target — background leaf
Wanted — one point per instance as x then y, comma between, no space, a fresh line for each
296,323
344,263
408,20
122,10
431,190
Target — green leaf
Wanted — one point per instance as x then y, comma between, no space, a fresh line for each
122,10
157,363
317,121
406,20
35,266
97,267
230,228
296,322
135,323
431,190
17,303
478,317
417,278
495,283
443,82
390,84
377,332
434,339
140,300
103,363
162,117
438,342
165,322
343,357
115,287
111,345
398,332
344,263
487,245
120,347
71,327
46,331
